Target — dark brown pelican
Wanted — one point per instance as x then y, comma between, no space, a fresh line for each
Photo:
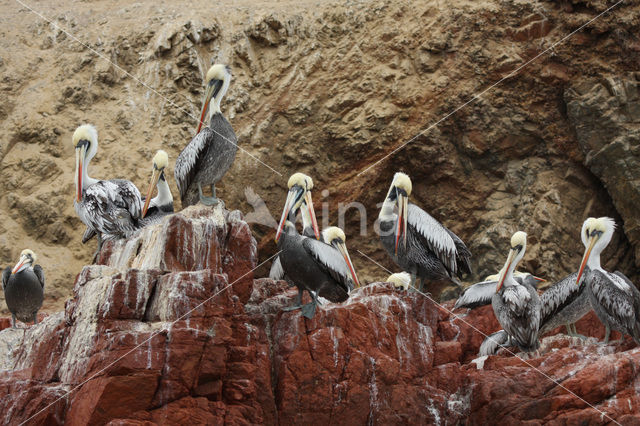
24,288
321,269
480,294
517,306
206,159
162,204
613,297
109,207
428,249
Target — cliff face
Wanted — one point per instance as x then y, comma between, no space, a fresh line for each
148,340
328,89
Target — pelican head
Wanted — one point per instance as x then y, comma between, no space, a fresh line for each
596,235
85,142
399,193
216,84
300,186
400,280
518,247
335,237
27,258
160,162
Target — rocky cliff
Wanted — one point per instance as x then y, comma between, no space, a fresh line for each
172,328
328,88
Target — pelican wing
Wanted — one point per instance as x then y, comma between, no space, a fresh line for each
5,276
463,255
39,274
618,303
111,206
276,272
435,236
330,260
186,164
559,296
479,294
88,234
493,342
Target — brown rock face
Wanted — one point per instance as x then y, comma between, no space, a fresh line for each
152,346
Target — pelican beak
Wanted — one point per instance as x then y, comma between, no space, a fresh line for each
542,280
585,258
401,226
22,263
154,181
292,197
81,151
212,90
342,247
503,272
312,213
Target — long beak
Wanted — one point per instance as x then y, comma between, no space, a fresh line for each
291,196
342,247
154,181
205,106
80,153
503,272
20,265
542,280
585,258
401,226
312,213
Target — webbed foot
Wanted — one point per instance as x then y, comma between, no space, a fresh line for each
208,201
308,310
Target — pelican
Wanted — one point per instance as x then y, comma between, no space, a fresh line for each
211,152
309,229
517,306
24,288
401,280
613,297
110,207
321,269
428,249
480,294
564,303
161,205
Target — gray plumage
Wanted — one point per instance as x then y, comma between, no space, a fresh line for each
517,308
432,251
480,294
276,272
493,342
206,159
616,302
24,293
564,303
314,266
110,207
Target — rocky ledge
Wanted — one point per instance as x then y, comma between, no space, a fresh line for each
172,328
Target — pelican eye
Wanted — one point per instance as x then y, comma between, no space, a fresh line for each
401,191
518,247
596,233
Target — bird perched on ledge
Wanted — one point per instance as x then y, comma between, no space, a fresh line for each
24,288
417,242
480,294
206,159
162,204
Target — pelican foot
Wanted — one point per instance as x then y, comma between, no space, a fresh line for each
579,336
13,321
292,308
308,310
209,201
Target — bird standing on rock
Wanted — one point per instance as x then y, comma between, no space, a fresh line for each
321,269
109,207
517,306
428,249
613,297
24,288
162,204
206,159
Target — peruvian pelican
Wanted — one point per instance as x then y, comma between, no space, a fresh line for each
480,294
613,297
321,269
161,205
24,288
428,249
110,207
401,280
517,306
309,229
211,152
564,303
